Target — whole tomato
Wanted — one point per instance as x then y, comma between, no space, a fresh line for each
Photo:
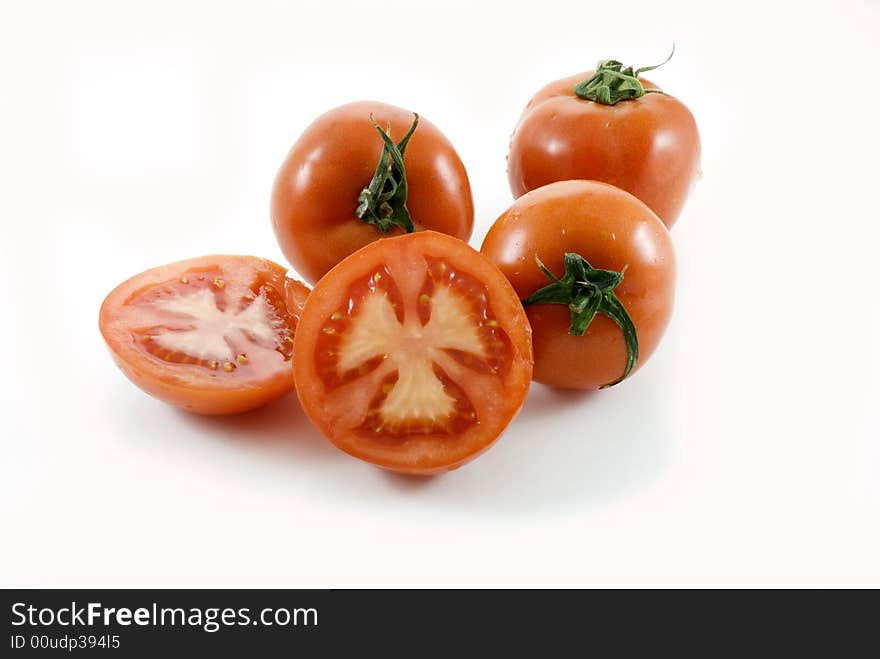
608,125
360,172
596,271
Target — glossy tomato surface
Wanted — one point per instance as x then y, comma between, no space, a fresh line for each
316,190
213,335
612,230
648,146
413,354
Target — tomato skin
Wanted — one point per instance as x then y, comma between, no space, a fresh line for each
414,454
611,229
185,388
649,146
316,190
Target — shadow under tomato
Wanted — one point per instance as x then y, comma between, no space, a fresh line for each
406,483
545,400
566,450
280,426
413,483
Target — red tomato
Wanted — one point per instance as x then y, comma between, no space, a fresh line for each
631,256
648,145
213,335
320,188
413,354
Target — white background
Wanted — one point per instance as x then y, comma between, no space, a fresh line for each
746,452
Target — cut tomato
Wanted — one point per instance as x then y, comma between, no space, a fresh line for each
414,353
213,335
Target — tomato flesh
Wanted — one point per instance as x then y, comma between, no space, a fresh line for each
408,351
212,335
195,320
369,331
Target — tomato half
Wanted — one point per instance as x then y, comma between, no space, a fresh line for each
413,354
318,190
631,253
648,146
213,335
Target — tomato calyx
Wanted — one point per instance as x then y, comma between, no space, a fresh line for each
588,291
612,82
383,202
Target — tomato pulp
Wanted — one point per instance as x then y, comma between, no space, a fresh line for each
213,335
413,354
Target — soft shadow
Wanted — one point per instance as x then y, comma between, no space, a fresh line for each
274,448
566,451
545,400
280,426
407,483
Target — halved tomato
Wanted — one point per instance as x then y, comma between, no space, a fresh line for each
414,353
213,335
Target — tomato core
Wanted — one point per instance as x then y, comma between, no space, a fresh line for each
201,319
371,334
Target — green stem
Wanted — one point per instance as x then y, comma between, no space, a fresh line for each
383,202
589,291
612,82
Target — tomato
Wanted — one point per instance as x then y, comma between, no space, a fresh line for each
213,335
414,353
630,264
342,166
647,145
